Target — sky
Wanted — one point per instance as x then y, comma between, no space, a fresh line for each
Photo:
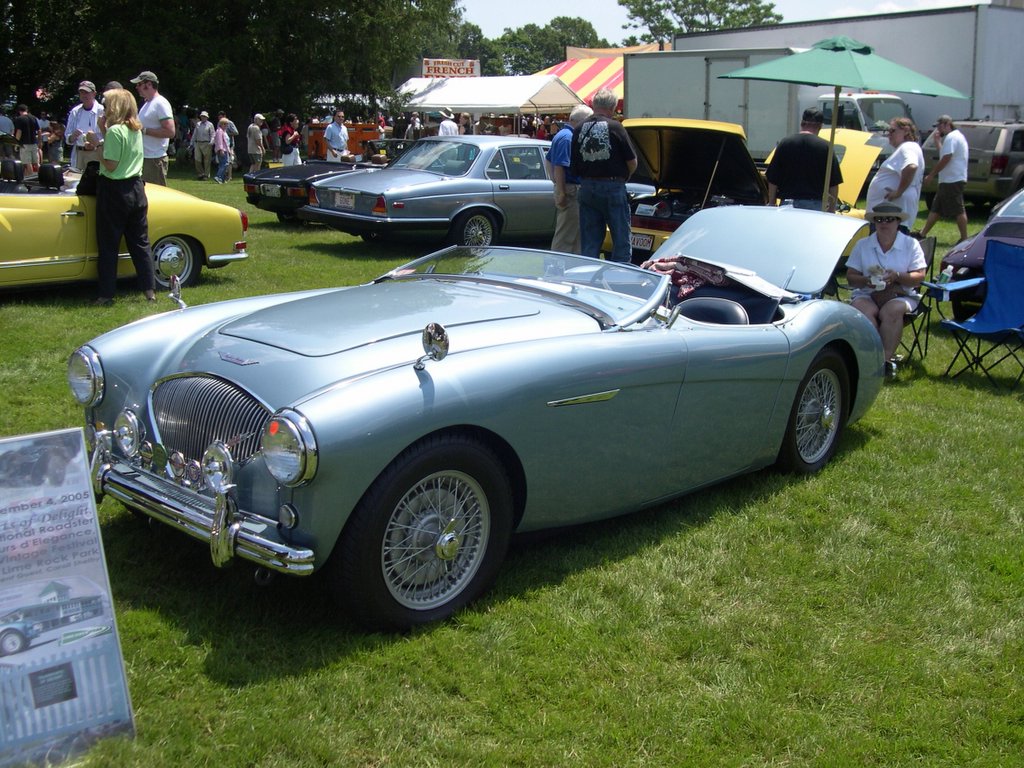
607,16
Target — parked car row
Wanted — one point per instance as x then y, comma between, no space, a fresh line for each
285,189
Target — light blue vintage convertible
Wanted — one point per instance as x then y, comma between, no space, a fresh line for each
396,434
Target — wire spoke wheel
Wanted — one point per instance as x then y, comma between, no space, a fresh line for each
818,415
817,418
435,539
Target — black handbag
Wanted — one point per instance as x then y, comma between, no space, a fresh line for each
90,179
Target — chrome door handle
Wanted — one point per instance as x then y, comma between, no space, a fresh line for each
503,186
73,213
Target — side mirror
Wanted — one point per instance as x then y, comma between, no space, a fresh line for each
175,294
435,344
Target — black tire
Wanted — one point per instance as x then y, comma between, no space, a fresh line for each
289,218
474,228
818,417
370,237
12,641
401,560
177,255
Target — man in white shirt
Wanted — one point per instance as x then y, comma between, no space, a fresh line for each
84,128
336,136
447,126
202,145
158,128
952,172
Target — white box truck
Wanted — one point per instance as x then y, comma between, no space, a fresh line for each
687,84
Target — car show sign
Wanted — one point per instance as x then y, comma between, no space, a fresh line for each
62,679
451,68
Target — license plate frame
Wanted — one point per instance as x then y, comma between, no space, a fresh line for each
641,242
270,190
344,201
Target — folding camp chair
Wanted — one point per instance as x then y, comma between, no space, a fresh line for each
916,324
996,332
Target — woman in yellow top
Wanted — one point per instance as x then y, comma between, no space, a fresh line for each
121,204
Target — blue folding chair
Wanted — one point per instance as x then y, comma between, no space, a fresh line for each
996,332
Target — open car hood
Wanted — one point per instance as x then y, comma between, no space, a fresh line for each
678,154
856,159
790,248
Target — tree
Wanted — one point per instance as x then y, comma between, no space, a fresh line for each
664,19
236,55
531,48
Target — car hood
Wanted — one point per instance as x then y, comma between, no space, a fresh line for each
356,318
791,248
287,348
678,154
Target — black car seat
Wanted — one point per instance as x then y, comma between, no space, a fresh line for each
51,176
712,309
12,176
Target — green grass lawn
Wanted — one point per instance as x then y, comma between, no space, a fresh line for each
872,614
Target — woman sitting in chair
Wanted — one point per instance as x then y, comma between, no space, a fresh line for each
884,271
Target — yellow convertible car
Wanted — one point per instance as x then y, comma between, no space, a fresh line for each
48,231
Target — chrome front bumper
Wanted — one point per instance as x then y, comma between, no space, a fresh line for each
230,532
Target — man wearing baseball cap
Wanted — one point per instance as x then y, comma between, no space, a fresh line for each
84,132
255,143
157,119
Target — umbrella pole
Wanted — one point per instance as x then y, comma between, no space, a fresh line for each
831,151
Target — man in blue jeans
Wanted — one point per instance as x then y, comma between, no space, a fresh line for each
603,158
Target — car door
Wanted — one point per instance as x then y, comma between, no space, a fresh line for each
523,191
45,237
730,391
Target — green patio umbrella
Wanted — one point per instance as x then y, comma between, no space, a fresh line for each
843,62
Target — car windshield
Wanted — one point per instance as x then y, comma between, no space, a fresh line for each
1013,207
618,294
449,158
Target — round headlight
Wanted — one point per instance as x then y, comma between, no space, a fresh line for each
289,448
218,467
128,433
85,376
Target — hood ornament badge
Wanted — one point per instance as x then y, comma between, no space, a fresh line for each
227,357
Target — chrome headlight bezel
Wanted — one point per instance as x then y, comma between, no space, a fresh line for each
85,376
289,448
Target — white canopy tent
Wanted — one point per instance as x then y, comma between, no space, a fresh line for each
523,93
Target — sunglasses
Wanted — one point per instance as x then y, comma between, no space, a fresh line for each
886,219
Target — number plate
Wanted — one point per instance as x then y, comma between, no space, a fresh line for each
270,190
344,200
641,242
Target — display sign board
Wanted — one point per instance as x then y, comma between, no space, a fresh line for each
62,680
451,68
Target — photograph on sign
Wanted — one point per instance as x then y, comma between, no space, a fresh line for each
62,679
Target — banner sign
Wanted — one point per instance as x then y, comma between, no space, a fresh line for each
62,680
451,68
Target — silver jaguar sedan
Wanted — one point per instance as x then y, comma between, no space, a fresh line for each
466,190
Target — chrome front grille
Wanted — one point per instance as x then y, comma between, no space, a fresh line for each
190,412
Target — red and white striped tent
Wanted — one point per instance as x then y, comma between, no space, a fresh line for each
587,76
587,70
